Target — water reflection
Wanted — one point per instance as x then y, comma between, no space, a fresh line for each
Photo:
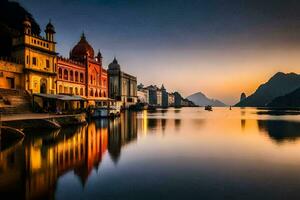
202,155
31,170
280,131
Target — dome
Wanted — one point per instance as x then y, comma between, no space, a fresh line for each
82,48
26,21
114,65
50,27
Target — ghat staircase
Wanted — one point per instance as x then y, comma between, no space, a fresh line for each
14,101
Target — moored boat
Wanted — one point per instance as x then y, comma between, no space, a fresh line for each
208,108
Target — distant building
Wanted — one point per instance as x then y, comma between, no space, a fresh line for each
152,90
143,94
171,99
165,97
122,86
177,99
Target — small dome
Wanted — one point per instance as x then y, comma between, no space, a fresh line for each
50,27
114,64
82,48
26,21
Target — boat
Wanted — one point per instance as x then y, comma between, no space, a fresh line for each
208,108
105,109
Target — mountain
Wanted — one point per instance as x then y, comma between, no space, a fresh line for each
279,85
12,15
289,100
201,100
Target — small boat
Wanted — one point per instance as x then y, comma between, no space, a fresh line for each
105,108
208,108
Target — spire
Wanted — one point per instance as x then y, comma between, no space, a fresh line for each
99,54
115,60
82,35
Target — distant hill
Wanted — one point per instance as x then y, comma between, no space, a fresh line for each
201,100
279,85
12,15
289,100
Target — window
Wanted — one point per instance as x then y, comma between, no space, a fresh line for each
47,63
81,77
96,93
27,59
92,92
104,94
66,75
60,73
76,76
81,91
60,89
76,91
34,60
91,79
65,90
71,75
71,90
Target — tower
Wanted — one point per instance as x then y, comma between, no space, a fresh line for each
50,31
27,26
99,57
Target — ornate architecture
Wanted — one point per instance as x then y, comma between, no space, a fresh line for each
38,58
122,86
82,74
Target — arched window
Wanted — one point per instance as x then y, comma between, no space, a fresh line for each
104,94
60,73
81,77
92,92
66,75
91,79
71,75
76,91
96,93
76,76
81,91
100,93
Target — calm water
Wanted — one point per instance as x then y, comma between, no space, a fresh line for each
168,154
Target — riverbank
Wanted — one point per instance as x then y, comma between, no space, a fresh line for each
34,120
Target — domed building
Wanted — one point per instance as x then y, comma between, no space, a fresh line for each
82,50
122,86
82,74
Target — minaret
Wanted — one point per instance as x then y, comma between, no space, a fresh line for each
27,26
50,31
99,57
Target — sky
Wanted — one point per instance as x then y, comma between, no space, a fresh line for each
219,47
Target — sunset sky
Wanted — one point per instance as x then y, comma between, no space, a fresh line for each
218,47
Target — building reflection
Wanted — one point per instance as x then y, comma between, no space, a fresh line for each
121,132
31,170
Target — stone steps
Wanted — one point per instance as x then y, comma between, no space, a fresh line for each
15,101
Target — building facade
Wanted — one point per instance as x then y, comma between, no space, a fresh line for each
143,94
171,99
82,74
70,77
11,74
95,79
38,58
165,97
122,86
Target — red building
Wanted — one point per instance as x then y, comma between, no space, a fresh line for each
82,74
